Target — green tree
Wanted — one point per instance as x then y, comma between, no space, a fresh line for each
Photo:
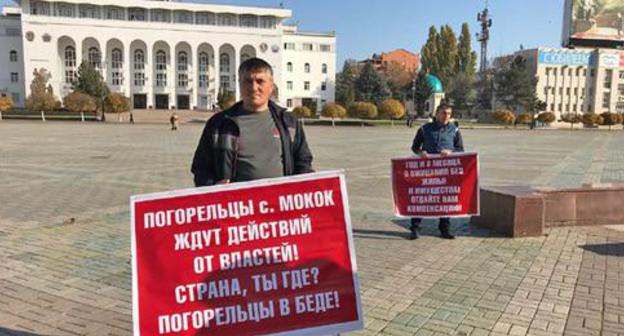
422,92
462,92
90,81
515,85
467,58
345,83
41,96
485,89
370,86
448,56
399,80
429,54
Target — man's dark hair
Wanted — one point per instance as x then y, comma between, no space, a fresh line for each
443,106
252,65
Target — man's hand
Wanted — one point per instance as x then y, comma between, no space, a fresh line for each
423,154
446,152
226,181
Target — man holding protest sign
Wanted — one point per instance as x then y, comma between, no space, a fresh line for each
254,139
438,137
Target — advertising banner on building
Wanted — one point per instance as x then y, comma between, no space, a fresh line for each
597,19
436,186
273,256
572,58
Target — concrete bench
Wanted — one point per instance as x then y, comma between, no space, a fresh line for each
522,211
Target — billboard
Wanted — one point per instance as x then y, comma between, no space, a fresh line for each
597,23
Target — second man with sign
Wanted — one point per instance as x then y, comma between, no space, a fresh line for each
438,137
254,139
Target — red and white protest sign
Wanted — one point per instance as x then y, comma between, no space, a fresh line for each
436,186
271,256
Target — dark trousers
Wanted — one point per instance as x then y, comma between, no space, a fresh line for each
444,225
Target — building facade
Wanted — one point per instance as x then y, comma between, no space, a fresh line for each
163,54
408,60
578,81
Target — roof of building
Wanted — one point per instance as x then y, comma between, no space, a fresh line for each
435,83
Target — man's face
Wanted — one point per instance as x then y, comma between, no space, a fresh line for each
256,89
443,116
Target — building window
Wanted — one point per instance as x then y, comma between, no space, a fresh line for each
203,70
552,107
70,57
560,107
183,17
94,57
161,79
70,76
289,103
562,71
114,13
137,14
289,67
568,91
249,21
182,69
267,22
205,18
161,15
14,77
606,101
323,86
592,73
13,56
306,68
289,46
289,85
306,86
560,90
161,60
324,68
225,83
117,65
227,19
39,8
308,46
64,10
224,63
182,61
88,11
325,47
139,60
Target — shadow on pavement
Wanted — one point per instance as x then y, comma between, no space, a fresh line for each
379,234
460,227
11,332
612,249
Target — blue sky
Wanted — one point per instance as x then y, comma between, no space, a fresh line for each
364,27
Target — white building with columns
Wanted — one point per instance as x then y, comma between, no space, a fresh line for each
162,54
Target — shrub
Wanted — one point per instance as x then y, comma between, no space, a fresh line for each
41,96
6,103
226,99
546,117
392,108
504,116
302,112
116,103
79,102
591,119
524,118
610,119
333,110
363,110
571,118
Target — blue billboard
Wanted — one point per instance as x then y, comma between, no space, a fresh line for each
566,58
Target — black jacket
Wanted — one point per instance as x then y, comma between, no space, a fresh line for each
217,152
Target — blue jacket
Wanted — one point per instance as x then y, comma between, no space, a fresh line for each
434,137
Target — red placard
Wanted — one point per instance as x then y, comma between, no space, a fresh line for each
436,186
271,256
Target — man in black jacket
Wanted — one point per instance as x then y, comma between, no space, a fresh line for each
253,139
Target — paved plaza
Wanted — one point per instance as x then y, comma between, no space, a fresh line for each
65,243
